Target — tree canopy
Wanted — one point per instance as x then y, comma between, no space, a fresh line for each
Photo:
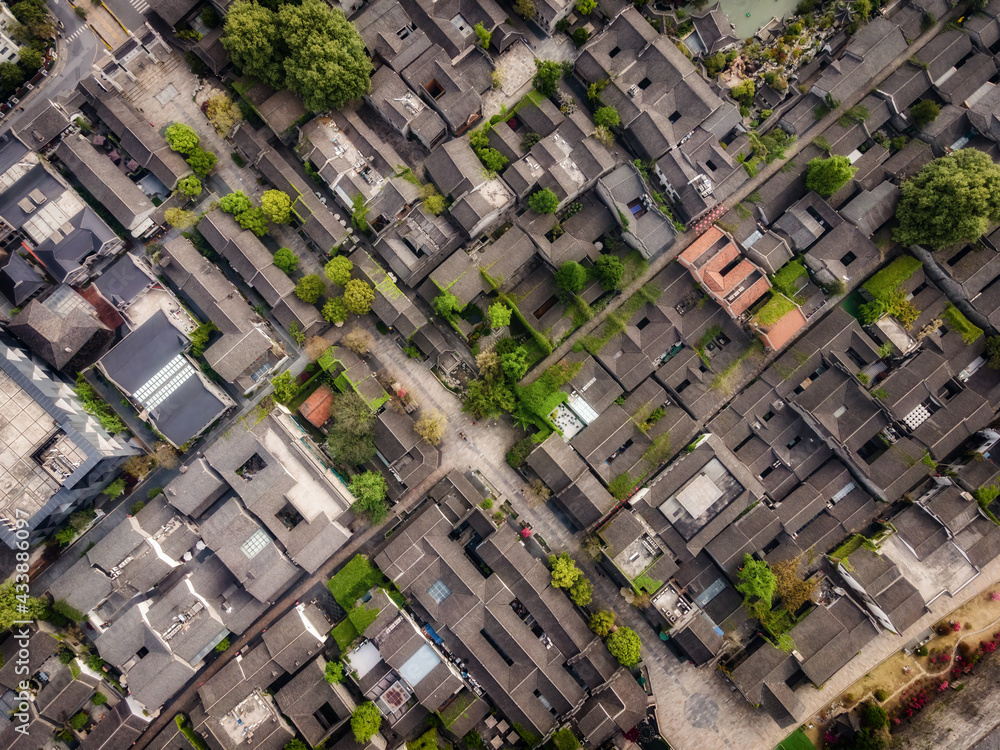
311,49
369,490
277,206
338,270
358,296
189,186
286,259
447,304
953,199
544,201
925,112
571,277
499,315
334,310
201,161
285,388
310,288
607,117
827,176
253,219
181,138
565,573
609,271
547,73
235,203
625,646
365,721
602,621
757,584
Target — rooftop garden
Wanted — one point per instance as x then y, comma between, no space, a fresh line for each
888,297
969,332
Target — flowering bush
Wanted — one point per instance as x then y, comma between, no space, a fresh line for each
956,626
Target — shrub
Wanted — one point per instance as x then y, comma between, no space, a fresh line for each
881,696
181,138
564,739
334,672
99,699
925,112
519,452
222,646
136,507
571,277
601,622
580,36
115,489
365,721
79,721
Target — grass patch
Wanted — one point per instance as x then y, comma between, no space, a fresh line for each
344,634
726,379
969,332
774,310
890,278
184,725
797,740
353,580
617,320
784,280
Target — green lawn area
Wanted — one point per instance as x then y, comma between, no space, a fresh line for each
797,740
353,580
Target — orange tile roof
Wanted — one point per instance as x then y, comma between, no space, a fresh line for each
693,251
781,333
742,303
316,408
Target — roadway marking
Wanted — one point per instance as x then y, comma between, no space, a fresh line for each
75,34
140,5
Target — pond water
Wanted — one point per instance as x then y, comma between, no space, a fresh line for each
749,15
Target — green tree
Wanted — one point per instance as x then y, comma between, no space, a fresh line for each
309,48
862,9
571,277
581,591
609,271
286,259
189,186
182,138
335,311
31,59
285,388
925,112
499,315
547,73
310,288
222,646
352,413
13,607
564,571
827,176
115,489
580,36
11,76
953,199
488,398
543,201
515,363
63,609
435,203
524,8
483,34
235,203
334,672
179,218
744,92
359,212
607,117
447,304
492,159
201,161
585,7
350,449
365,721
625,646
338,270
222,111
369,490
358,296
277,206
757,584
602,621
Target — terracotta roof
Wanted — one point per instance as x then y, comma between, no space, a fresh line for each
316,408
700,245
780,333
742,303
